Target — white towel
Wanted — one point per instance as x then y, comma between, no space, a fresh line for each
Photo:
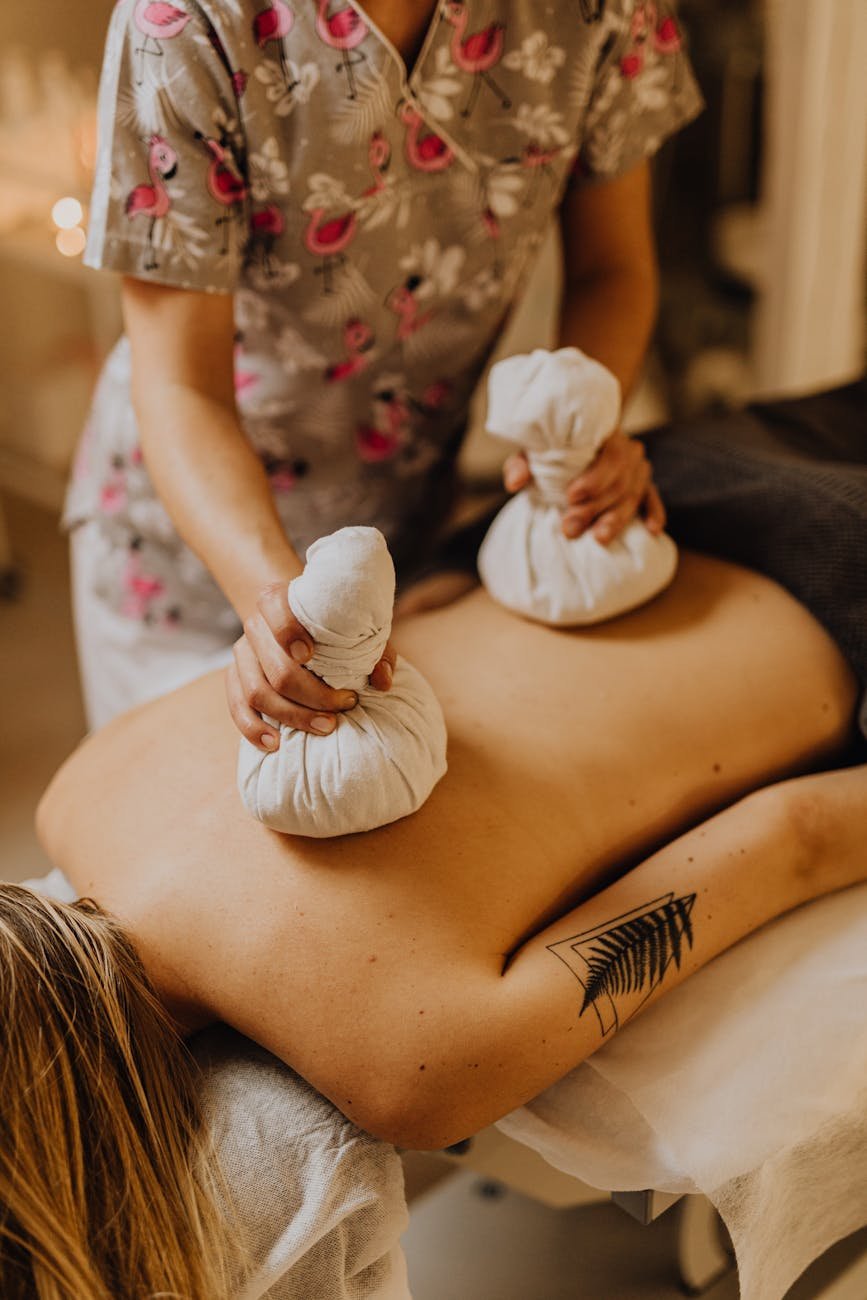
560,407
748,1083
384,756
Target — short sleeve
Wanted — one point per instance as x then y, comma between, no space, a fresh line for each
643,91
170,197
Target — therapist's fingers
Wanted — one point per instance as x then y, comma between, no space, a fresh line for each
618,466
290,680
516,472
617,504
273,605
610,524
249,723
654,510
258,696
383,673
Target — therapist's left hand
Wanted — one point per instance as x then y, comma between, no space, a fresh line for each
615,487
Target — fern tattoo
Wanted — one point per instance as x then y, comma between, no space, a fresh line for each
627,954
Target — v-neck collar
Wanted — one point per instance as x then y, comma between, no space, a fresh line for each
407,76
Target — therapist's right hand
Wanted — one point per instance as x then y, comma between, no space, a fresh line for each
268,676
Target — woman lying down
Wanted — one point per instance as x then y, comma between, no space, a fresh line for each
426,977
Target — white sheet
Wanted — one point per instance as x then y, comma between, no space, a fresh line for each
748,1083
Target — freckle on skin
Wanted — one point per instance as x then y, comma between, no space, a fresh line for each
717,767
421,1067
690,859
371,958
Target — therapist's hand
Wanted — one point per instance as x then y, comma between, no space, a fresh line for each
268,676
615,487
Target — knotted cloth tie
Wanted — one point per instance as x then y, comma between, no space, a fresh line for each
345,599
560,407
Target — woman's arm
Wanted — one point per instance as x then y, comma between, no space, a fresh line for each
608,309
569,989
216,491
206,473
610,275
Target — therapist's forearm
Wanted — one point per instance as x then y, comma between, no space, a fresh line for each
215,489
610,316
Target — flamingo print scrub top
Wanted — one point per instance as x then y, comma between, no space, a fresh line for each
373,224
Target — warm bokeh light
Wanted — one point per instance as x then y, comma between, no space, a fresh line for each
67,213
71,242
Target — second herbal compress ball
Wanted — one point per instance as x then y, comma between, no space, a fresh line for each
560,407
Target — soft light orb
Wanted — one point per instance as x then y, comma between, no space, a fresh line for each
67,213
71,242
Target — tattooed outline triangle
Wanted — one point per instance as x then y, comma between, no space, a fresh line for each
627,952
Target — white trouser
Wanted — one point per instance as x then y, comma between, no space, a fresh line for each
122,661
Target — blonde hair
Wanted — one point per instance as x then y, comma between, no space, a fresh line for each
107,1187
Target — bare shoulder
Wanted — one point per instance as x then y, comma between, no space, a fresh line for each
107,790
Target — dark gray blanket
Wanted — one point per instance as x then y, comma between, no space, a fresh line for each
780,487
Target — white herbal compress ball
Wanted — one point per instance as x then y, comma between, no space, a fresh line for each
384,756
560,407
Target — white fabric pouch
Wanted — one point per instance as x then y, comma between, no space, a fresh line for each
560,407
385,756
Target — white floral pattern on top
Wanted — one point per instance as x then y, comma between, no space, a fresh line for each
537,58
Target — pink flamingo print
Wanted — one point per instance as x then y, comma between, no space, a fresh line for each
404,303
141,589
436,395
274,24
344,30
427,151
266,226
383,441
330,239
358,339
284,475
113,494
477,53
244,379
225,186
157,21
153,200
433,399
664,37
536,161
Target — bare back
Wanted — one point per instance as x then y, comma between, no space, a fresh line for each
570,754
